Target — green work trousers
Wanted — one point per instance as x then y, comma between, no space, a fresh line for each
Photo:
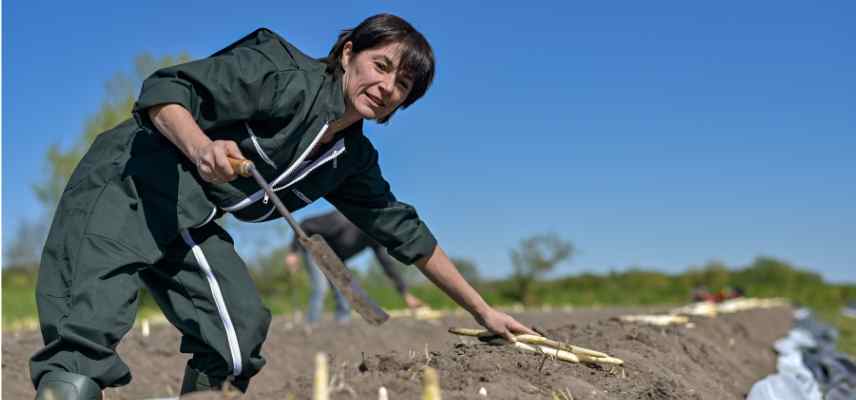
103,247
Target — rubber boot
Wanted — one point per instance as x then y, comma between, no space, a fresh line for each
197,381
61,385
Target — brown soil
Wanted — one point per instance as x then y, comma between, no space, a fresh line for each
717,359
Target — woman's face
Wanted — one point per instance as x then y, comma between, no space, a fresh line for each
373,83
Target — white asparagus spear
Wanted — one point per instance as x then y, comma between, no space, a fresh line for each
532,339
320,390
566,355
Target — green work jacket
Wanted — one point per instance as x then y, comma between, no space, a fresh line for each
275,102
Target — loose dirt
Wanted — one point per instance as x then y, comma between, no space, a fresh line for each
718,358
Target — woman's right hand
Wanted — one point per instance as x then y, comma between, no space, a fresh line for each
212,161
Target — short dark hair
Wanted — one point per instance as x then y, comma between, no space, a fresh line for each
417,57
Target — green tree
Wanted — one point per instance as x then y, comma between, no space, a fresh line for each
713,275
534,257
23,250
121,91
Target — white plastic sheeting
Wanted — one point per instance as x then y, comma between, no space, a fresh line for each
809,367
793,381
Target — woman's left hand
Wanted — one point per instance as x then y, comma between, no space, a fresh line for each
502,324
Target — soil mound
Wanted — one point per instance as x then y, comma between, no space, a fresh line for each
717,358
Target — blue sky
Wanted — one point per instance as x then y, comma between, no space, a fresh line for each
660,135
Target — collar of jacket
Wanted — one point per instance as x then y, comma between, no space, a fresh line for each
337,95
331,100
332,94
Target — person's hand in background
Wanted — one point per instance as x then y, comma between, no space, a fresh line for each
292,263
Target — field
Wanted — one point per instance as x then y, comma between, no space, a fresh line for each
716,358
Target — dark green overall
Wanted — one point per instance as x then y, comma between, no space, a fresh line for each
136,214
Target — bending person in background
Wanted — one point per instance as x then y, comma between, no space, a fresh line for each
347,241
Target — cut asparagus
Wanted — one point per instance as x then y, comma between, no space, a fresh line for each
530,339
540,344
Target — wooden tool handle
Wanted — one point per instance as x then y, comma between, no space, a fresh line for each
242,167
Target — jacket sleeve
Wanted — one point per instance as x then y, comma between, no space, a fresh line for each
365,198
243,83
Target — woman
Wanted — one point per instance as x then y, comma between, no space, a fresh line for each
140,206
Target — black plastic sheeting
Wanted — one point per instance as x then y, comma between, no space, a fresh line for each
834,371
